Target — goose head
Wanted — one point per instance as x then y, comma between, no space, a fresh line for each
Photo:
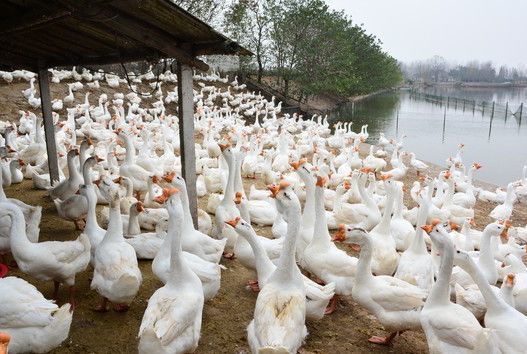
462,259
350,235
438,233
499,229
241,226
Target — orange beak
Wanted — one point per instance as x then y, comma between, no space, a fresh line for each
366,170
139,207
447,174
4,339
21,162
505,235
472,222
238,197
435,222
90,142
233,222
427,228
98,159
321,181
169,177
295,165
118,180
97,182
340,235
385,177
273,188
454,226
155,179
346,185
223,146
477,166
510,279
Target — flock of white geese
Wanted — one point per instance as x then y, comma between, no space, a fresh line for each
417,268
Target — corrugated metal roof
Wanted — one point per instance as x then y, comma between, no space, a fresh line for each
51,33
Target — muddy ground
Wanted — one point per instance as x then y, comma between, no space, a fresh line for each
225,317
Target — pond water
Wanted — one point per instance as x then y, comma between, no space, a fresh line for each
434,128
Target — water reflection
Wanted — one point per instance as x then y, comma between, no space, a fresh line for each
434,129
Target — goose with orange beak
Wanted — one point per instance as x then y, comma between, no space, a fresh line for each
182,297
365,214
394,302
440,318
509,325
323,259
195,240
242,249
317,296
281,303
227,210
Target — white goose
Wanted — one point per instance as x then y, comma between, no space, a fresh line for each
35,324
279,319
509,324
172,320
449,327
51,260
322,258
116,275
394,302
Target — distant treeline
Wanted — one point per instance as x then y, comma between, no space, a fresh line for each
438,69
303,44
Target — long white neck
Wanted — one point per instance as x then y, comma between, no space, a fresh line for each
321,235
366,198
72,168
86,169
133,222
486,255
229,189
384,225
363,274
179,270
91,217
287,268
130,150
238,184
418,245
494,302
264,266
114,232
18,237
440,292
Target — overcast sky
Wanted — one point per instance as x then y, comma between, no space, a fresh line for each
459,30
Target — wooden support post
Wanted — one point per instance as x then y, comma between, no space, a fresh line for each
493,105
49,127
186,135
473,107
521,111
506,110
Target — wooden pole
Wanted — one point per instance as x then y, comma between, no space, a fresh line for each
49,127
186,135
506,110
521,111
493,104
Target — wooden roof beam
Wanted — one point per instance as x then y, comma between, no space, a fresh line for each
154,38
32,21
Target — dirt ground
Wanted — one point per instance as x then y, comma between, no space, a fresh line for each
225,317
